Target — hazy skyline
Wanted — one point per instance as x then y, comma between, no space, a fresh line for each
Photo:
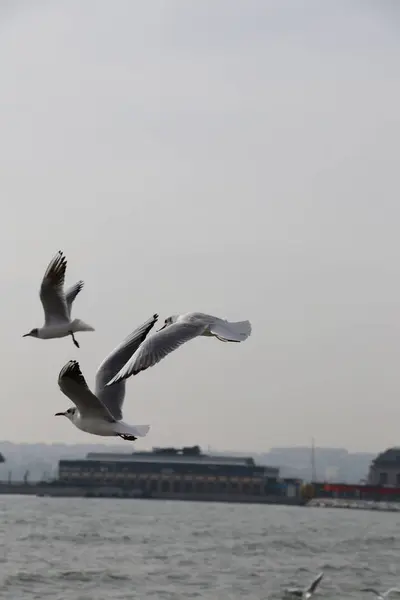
235,157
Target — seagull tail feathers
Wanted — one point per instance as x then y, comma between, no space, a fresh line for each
227,331
141,430
79,325
136,430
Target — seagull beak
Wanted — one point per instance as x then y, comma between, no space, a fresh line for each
26,335
59,415
161,328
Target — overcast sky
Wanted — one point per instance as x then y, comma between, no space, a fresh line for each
235,157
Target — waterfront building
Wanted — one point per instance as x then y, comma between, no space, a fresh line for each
172,472
385,468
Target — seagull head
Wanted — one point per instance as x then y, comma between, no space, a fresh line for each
169,321
32,333
70,413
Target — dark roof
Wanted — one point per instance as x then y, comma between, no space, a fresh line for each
170,458
186,455
390,457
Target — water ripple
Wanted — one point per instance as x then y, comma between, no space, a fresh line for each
81,549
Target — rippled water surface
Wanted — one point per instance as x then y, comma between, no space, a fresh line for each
85,549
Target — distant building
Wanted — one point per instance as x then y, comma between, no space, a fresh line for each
171,471
385,468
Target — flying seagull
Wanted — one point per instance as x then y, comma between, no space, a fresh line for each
177,330
382,595
307,592
101,413
57,304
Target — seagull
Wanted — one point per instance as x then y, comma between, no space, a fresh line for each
307,592
101,413
177,330
57,304
382,595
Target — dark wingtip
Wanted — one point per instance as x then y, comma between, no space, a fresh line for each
136,371
72,371
72,366
60,259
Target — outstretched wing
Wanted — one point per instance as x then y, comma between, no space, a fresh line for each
157,346
52,291
295,592
72,383
314,584
113,397
72,293
372,590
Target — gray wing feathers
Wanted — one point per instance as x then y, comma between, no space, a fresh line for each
72,293
157,346
52,291
73,384
111,365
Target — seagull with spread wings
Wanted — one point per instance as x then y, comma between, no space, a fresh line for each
57,304
100,413
177,330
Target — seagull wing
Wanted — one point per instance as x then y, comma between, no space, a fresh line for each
314,584
72,383
157,346
113,397
71,294
295,592
372,590
52,291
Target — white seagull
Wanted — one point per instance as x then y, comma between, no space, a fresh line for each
177,330
57,304
382,595
307,592
101,413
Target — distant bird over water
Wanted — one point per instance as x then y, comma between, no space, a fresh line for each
306,593
382,595
101,413
57,304
177,330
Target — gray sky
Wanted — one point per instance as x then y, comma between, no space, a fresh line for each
236,157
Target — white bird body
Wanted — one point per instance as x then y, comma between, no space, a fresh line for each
225,331
100,413
62,330
57,304
106,428
177,330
